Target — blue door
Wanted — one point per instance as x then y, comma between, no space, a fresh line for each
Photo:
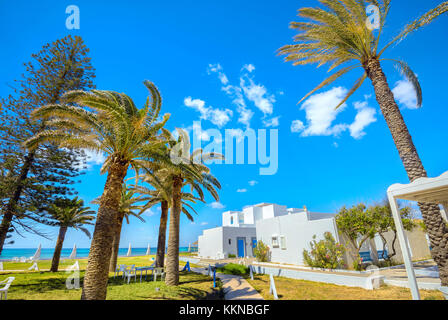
240,247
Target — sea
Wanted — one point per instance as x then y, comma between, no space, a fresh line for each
47,253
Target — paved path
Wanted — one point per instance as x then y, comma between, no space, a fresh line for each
235,287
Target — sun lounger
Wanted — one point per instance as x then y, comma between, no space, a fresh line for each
129,273
4,290
159,271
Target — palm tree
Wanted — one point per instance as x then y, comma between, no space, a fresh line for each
339,35
109,122
127,209
185,170
162,194
67,213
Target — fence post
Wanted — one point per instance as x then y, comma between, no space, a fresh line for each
251,272
272,289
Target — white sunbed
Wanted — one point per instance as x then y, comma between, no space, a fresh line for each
159,271
4,290
129,273
120,268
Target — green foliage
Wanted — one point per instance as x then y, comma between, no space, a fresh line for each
30,180
262,252
326,253
337,33
69,213
232,256
233,268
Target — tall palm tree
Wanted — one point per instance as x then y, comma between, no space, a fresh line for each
67,213
162,194
109,122
185,170
338,35
127,209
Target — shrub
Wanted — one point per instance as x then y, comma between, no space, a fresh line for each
326,254
231,255
261,252
233,268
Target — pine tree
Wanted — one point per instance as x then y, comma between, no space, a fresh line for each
29,180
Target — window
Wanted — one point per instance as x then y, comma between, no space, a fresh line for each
230,241
275,241
231,222
283,242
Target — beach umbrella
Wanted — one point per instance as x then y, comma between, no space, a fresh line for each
36,254
129,250
148,251
73,254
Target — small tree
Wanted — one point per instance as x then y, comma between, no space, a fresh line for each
326,253
384,222
261,252
358,225
67,213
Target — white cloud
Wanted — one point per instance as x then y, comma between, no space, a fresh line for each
216,205
252,182
241,190
320,113
204,223
297,126
198,105
218,117
258,94
247,89
273,122
364,117
216,68
151,211
405,94
249,67
94,158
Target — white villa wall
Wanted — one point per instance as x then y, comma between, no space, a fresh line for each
210,242
297,230
233,234
214,243
227,218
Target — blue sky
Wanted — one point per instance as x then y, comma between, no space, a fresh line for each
204,55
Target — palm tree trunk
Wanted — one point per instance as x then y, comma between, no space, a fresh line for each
160,257
10,208
57,249
97,271
172,257
437,230
116,245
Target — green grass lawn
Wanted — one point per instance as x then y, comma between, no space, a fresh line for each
293,289
234,268
44,265
44,285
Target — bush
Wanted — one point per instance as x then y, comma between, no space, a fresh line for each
261,252
326,254
232,255
233,268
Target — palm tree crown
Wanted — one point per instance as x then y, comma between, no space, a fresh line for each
115,126
339,34
70,213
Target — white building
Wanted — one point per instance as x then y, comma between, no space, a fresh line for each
285,231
